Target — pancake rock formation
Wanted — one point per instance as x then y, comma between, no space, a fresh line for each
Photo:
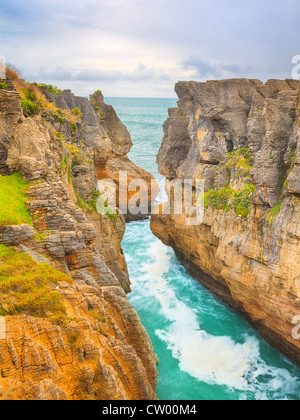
241,137
67,329
108,141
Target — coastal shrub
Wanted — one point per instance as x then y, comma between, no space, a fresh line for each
13,196
77,155
74,150
31,96
64,165
26,89
77,112
29,107
59,136
26,287
58,118
50,88
32,100
73,128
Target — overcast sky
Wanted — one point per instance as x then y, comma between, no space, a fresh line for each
141,48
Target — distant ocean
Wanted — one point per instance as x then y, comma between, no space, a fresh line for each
206,350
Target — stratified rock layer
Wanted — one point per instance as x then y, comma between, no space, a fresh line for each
102,351
242,138
108,142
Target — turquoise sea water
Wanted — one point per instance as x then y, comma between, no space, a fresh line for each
206,350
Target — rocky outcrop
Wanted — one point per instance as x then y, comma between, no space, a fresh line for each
108,142
101,350
241,137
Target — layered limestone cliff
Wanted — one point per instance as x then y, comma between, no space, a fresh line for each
108,142
67,329
241,137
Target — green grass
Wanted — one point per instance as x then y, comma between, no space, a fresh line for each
227,199
74,150
240,159
26,287
102,206
289,171
97,204
80,202
274,212
12,200
78,157
64,166
89,205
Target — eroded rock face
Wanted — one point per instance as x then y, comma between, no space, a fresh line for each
103,351
242,138
108,142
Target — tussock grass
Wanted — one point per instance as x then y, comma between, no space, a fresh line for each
274,212
13,196
26,287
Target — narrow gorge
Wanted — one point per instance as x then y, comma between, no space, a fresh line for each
108,306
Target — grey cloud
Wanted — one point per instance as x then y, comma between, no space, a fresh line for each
217,39
141,74
206,69
59,75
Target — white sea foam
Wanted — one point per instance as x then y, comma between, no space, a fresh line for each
216,360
